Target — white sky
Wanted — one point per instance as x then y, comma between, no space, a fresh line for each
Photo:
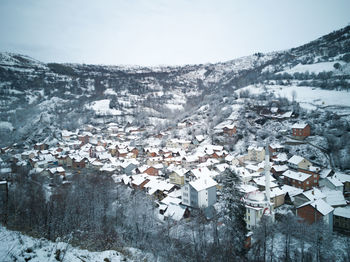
152,32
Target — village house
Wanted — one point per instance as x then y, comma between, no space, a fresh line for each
307,196
278,170
301,130
345,179
277,196
341,220
298,162
256,154
139,181
229,130
316,210
274,149
332,183
84,138
41,146
199,193
177,176
198,139
77,161
299,179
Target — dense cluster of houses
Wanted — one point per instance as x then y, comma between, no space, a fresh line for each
184,174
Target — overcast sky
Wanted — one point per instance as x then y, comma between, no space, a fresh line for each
152,32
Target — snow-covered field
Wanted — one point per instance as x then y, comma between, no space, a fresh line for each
313,68
308,97
101,107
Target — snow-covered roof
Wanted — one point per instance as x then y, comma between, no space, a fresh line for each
171,200
296,175
200,138
139,179
314,194
280,168
203,183
276,191
335,181
320,205
291,190
334,197
252,167
325,172
281,157
342,177
260,181
295,160
255,148
175,212
342,212
245,188
299,125
276,146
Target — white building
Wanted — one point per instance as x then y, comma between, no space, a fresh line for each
256,206
199,193
256,154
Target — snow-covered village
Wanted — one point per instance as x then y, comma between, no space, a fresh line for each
148,131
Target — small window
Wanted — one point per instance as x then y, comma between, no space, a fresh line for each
307,182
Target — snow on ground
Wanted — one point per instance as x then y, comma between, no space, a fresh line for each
17,247
6,125
52,103
174,107
101,107
308,97
313,68
110,91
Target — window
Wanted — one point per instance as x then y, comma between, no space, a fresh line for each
307,182
315,181
315,176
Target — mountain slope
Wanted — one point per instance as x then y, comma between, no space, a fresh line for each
36,98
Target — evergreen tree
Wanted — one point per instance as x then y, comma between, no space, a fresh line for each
233,213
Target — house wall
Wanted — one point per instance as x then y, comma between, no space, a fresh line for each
341,224
186,196
278,200
211,195
69,162
309,214
194,197
301,133
327,183
255,155
230,132
304,164
328,219
80,164
252,217
176,179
